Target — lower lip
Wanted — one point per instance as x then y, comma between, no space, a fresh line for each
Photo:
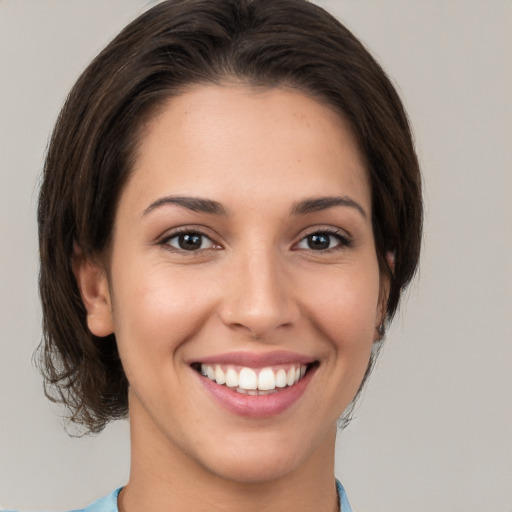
257,406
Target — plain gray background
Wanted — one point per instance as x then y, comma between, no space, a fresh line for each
434,429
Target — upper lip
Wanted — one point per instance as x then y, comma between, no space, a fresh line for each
256,359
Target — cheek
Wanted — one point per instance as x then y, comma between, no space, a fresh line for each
343,308
344,305
157,311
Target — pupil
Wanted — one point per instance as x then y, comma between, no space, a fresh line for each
190,241
318,241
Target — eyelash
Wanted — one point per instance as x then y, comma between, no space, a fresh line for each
343,241
191,232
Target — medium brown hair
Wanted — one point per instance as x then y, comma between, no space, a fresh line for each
175,44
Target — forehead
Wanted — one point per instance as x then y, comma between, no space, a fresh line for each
234,141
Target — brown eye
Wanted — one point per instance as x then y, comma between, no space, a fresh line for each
319,242
190,241
323,241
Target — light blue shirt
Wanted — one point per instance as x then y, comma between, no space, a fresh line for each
109,503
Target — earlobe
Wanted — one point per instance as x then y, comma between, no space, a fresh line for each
380,324
92,281
380,327
390,258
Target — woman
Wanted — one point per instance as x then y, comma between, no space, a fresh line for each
230,210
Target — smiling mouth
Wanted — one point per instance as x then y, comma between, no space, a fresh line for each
255,381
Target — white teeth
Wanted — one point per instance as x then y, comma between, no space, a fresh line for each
281,378
220,376
254,382
266,379
290,377
248,379
232,378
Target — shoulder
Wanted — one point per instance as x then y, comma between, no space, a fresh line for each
105,504
343,499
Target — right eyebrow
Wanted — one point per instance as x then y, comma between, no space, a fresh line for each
196,204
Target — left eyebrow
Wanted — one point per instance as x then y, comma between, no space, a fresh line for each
196,204
316,204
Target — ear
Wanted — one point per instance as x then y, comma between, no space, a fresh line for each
390,258
380,326
92,281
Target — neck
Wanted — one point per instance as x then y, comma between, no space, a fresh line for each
164,478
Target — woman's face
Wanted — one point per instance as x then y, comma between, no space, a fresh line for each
243,249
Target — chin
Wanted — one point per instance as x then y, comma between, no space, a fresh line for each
257,470
263,459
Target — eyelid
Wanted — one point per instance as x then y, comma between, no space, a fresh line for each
344,237
169,234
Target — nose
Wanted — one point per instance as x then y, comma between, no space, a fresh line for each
259,295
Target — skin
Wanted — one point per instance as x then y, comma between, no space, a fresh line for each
255,285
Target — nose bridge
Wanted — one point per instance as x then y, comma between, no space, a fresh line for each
259,298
